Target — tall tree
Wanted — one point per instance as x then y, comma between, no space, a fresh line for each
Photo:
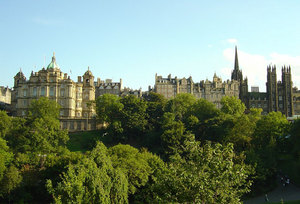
134,116
205,174
132,163
232,105
5,123
108,108
180,105
43,119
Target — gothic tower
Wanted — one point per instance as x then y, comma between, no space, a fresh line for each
238,76
272,89
287,84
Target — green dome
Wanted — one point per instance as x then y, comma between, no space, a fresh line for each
53,64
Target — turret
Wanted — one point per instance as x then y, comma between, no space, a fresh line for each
88,78
19,78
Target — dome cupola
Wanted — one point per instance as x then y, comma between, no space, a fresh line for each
53,65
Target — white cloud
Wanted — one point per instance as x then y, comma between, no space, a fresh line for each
232,40
255,66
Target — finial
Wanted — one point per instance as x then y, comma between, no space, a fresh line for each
20,69
88,68
53,54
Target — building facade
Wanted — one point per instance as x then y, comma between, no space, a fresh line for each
5,95
108,87
279,96
73,97
212,91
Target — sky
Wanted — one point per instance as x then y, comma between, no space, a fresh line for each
135,39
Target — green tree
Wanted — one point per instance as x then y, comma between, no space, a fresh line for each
205,174
180,105
174,135
134,116
269,132
45,133
204,110
232,105
5,123
10,181
244,125
92,180
132,163
295,139
5,157
155,109
108,108
18,137
152,191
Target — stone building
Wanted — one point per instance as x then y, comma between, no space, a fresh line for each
73,97
212,91
5,95
279,96
108,87
237,75
5,99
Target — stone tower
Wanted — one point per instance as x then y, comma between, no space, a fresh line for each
272,89
88,91
238,76
286,104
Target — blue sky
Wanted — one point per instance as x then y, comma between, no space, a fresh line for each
134,39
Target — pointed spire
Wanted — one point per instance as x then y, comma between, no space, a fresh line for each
53,58
236,61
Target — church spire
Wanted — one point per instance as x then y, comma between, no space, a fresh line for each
236,73
236,61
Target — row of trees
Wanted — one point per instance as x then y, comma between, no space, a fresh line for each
189,151
163,126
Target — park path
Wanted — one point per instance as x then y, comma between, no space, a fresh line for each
287,193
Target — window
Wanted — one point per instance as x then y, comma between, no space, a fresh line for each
34,91
25,102
24,92
62,92
51,91
61,113
43,91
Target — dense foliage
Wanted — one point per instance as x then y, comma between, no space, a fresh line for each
152,150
